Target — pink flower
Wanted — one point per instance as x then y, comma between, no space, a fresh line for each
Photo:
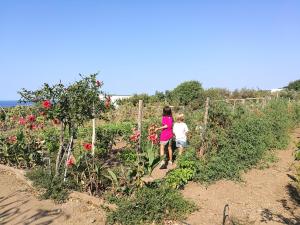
22,121
87,146
47,104
12,139
70,162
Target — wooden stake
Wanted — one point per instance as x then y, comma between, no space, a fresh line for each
202,132
140,116
93,136
206,113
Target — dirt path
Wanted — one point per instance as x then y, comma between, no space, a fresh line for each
265,197
20,206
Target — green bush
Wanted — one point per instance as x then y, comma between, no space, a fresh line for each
244,141
188,92
107,135
187,167
151,205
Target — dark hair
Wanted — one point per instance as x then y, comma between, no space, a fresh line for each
167,111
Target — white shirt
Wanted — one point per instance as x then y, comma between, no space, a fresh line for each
180,130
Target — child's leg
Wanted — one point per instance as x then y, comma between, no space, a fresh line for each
180,150
170,152
162,151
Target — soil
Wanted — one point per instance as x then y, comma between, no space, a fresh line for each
263,197
19,205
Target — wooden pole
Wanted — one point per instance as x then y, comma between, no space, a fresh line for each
234,103
94,131
203,130
206,113
140,116
93,136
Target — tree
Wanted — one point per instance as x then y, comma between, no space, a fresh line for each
72,106
295,85
188,92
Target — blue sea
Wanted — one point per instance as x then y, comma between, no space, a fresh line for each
12,103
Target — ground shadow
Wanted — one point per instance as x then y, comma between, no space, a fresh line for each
12,210
290,217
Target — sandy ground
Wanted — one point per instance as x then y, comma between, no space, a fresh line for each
20,206
264,197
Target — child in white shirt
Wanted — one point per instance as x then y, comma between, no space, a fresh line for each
180,130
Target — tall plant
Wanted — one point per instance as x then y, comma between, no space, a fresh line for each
71,106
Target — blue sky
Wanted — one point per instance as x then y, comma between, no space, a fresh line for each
148,45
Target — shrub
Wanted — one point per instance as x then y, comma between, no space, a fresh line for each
187,167
107,135
244,141
187,92
151,205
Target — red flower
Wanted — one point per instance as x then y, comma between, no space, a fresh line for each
153,138
99,83
22,121
70,162
12,139
47,104
32,127
107,102
87,146
31,118
135,136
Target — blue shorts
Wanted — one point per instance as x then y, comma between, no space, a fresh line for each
181,144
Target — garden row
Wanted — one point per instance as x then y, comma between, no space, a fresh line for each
53,141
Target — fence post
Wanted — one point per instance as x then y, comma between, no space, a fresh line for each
206,113
203,130
264,102
140,116
93,136
234,103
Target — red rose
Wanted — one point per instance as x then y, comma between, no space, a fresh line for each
47,104
87,146
22,121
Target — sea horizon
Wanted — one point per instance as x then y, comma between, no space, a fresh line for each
12,103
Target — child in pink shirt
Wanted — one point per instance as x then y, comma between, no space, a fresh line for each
166,136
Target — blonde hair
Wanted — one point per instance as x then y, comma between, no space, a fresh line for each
180,117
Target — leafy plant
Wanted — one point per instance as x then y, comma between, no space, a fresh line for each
151,205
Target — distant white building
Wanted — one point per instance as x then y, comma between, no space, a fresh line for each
115,98
276,90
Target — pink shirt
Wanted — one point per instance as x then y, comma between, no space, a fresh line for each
167,133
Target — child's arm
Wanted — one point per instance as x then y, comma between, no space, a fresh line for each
161,128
